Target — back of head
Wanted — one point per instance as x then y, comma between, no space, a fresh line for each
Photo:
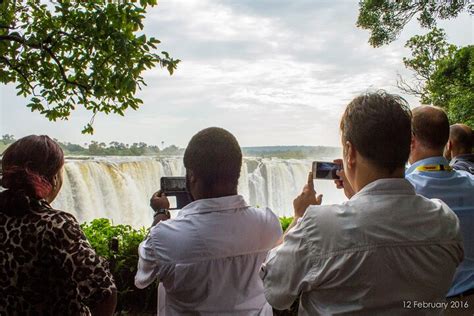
431,127
462,137
214,156
29,165
378,125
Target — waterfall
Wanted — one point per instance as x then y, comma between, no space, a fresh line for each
120,188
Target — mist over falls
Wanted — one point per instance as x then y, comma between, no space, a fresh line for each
119,188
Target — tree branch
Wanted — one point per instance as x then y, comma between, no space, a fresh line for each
63,72
18,70
48,50
407,88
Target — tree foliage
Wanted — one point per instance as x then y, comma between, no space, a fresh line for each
385,19
442,72
426,50
64,54
451,85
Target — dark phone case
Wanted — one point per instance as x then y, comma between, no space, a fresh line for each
179,191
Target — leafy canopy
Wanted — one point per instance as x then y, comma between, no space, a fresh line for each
65,54
452,85
443,73
385,19
426,50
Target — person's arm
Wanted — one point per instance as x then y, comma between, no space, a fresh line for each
148,262
286,272
88,272
107,305
160,205
301,203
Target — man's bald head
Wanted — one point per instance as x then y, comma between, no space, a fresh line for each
430,127
461,137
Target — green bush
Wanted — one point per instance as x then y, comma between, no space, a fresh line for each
285,222
123,263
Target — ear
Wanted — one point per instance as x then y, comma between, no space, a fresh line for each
192,176
351,154
449,146
413,142
55,180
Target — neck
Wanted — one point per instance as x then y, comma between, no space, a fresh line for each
368,174
217,191
417,155
455,153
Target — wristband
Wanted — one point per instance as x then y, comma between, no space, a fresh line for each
162,211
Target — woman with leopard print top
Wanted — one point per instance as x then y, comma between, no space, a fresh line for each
47,267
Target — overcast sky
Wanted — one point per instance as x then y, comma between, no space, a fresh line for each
273,72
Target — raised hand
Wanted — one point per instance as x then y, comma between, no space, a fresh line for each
159,201
306,198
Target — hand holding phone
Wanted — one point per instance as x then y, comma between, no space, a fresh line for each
341,182
159,201
325,170
176,186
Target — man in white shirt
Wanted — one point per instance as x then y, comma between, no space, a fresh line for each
386,251
208,258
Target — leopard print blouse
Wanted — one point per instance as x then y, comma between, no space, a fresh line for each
47,266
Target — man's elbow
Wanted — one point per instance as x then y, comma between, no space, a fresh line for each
141,283
278,301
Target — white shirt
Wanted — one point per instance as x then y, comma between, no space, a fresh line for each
208,258
376,254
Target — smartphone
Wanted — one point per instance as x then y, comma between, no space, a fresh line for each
171,185
175,187
325,170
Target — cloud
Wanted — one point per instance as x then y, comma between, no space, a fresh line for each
273,72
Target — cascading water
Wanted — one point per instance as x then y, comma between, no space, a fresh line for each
120,188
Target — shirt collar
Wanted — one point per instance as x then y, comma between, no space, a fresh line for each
214,204
438,160
464,157
386,186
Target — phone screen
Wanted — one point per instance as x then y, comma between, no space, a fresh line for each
173,184
325,170
176,191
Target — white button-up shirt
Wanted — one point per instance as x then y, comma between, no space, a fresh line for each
383,252
208,258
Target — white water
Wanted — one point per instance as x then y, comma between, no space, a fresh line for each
120,188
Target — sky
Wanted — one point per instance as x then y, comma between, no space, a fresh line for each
272,72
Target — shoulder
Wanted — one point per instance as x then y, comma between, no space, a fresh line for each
59,226
174,238
324,213
265,215
465,173
326,219
57,218
267,222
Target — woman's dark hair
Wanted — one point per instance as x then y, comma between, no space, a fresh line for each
378,125
29,165
214,155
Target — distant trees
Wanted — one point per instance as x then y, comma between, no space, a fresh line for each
8,139
443,73
115,148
